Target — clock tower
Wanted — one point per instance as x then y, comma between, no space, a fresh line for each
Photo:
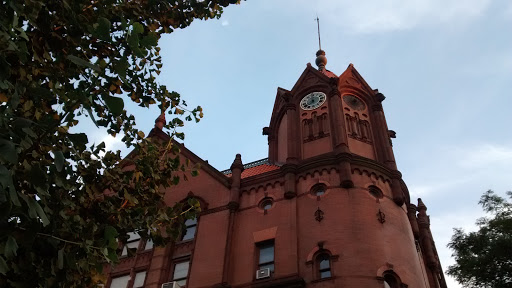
334,116
337,124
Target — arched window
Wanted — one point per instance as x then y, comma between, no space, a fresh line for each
391,280
190,229
375,192
323,264
319,190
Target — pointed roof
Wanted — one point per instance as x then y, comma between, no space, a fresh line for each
351,77
311,76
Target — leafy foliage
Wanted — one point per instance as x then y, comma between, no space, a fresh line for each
62,62
484,257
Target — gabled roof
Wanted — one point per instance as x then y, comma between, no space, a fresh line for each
312,76
204,166
351,77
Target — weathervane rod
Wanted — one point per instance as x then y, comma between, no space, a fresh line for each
318,25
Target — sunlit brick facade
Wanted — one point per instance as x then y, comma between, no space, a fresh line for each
328,208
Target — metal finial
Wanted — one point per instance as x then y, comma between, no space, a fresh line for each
318,26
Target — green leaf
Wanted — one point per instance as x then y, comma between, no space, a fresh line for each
60,259
121,66
103,28
150,40
79,139
137,28
7,184
8,151
110,233
89,111
3,266
81,62
37,175
59,160
115,104
29,132
10,247
34,209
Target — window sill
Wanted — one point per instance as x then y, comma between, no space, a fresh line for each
323,279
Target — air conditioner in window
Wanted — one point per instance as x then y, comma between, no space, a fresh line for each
263,273
172,284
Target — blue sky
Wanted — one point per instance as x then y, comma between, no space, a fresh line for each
445,67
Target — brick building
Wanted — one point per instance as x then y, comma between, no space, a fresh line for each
327,208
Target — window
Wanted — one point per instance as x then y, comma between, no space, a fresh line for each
391,280
120,282
131,243
181,273
266,203
190,229
148,245
324,266
266,255
318,190
140,277
375,192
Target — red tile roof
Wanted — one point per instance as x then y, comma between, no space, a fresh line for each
254,168
258,170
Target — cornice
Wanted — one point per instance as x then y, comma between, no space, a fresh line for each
327,159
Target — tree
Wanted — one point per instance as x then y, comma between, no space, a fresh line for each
484,257
65,203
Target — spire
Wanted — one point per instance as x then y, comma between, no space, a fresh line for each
160,121
320,61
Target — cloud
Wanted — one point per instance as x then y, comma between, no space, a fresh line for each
225,23
485,155
370,16
424,188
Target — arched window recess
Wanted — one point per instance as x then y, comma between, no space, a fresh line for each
391,280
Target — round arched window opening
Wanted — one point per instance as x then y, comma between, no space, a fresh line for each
324,266
319,190
375,192
391,281
266,203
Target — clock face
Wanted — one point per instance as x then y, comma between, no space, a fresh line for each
354,102
313,100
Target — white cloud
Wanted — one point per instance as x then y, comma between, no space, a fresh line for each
428,187
370,16
225,23
485,155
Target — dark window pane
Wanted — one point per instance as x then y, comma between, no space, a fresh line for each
325,274
267,253
267,206
270,266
